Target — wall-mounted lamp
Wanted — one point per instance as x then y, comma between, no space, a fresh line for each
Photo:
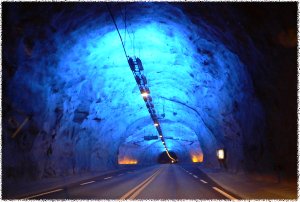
221,154
145,94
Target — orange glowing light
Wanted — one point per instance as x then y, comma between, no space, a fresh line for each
197,158
127,160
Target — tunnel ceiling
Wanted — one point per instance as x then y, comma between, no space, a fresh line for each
65,69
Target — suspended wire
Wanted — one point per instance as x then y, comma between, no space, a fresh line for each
123,15
112,17
133,52
131,36
127,31
125,23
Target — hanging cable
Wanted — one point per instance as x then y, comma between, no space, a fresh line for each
125,23
127,31
137,70
123,15
112,17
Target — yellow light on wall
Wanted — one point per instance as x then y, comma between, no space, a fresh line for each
221,154
127,160
197,158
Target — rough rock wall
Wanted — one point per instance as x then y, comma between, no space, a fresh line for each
64,69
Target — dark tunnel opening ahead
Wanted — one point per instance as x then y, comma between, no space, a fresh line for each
163,157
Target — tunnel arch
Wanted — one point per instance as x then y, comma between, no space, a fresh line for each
165,121
148,155
184,97
84,93
177,136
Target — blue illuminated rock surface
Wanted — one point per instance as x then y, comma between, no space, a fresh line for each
71,75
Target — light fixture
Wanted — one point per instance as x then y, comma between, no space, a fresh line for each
145,94
141,80
220,154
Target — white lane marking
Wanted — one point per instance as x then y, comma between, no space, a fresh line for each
120,174
41,194
107,178
87,183
203,181
224,193
190,173
195,176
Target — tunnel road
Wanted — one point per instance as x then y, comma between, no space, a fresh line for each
168,181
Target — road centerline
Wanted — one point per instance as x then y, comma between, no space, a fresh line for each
44,193
203,181
107,178
224,193
137,192
85,183
140,187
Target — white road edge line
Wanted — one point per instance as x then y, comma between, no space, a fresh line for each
107,178
87,183
45,193
195,176
203,181
224,193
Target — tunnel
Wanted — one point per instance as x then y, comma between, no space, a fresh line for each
164,158
221,76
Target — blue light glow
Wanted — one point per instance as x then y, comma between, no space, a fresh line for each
196,84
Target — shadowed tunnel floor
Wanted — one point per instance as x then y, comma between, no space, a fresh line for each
168,181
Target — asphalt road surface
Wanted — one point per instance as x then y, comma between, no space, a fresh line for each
167,181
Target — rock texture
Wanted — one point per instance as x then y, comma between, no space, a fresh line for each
221,76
